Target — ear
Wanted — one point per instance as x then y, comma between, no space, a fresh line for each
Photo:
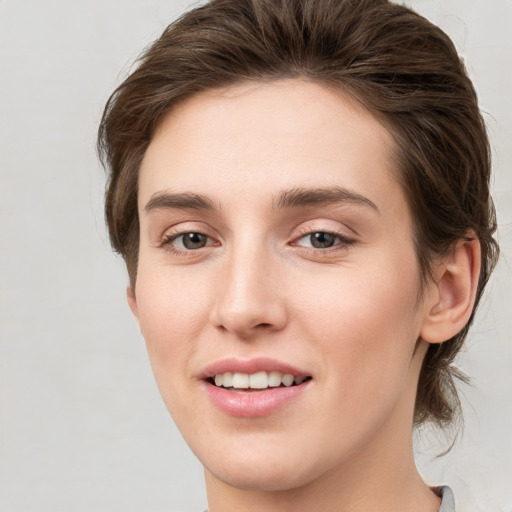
450,298
132,302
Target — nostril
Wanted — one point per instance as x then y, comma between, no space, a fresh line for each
248,316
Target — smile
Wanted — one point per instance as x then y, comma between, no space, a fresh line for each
256,381
253,388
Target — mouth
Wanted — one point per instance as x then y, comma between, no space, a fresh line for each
254,388
252,382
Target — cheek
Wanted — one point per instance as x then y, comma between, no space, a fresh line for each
172,314
365,322
365,332
359,298
170,308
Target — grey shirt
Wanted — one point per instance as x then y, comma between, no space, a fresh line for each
448,500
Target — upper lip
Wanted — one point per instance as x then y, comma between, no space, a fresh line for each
250,366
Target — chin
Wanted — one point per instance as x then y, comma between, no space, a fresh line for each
264,464
264,478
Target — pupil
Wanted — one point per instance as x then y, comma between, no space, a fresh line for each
322,240
194,240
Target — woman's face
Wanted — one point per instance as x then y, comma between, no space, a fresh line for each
276,247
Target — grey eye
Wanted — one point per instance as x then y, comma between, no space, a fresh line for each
193,240
322,240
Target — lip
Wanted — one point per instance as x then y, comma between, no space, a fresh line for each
260,364
252,404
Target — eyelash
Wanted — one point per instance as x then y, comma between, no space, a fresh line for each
344,242
168,239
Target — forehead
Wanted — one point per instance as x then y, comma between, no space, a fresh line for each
268,136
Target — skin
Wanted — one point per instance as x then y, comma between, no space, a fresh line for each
346,315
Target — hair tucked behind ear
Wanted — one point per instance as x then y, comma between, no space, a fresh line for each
401,67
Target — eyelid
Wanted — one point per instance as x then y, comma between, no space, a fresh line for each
172,237
304,231
342,237
182,229
317,227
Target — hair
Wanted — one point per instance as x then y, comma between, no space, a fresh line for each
401,67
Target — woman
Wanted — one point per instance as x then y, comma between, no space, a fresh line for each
300,190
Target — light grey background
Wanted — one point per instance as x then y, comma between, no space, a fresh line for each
82,427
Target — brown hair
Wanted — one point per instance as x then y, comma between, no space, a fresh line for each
405,70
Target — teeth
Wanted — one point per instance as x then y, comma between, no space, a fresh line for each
259,380
240,380
227,380
287,379
274,379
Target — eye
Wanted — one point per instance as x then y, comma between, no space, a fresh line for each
322,240
189,241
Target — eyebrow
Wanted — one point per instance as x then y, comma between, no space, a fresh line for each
294,198
302,197
185,200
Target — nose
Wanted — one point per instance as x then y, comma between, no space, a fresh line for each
250,300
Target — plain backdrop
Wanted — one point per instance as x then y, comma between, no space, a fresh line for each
82,426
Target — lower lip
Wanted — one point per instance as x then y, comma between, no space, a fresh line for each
253,404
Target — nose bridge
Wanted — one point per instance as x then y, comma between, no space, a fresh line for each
248,298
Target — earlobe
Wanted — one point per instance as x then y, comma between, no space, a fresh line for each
132,302
449,303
